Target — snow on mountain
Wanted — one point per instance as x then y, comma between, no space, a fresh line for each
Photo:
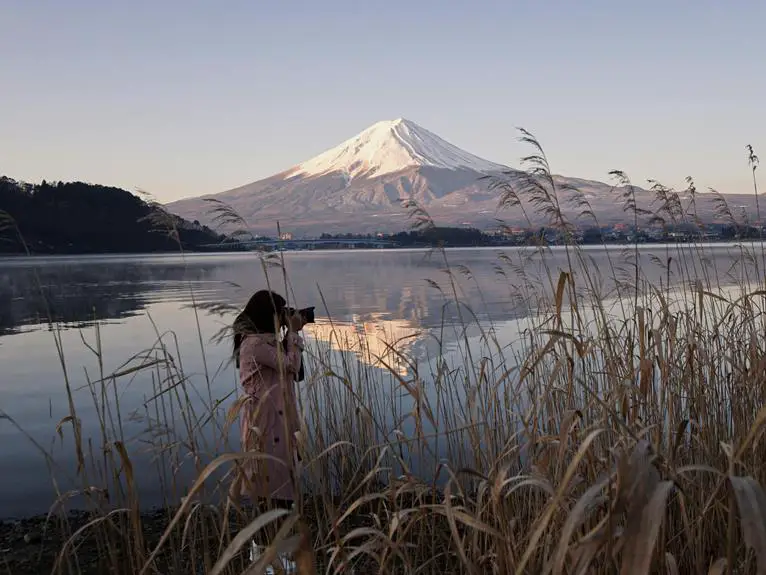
391,146
360,184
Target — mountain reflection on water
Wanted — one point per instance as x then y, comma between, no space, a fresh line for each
377,341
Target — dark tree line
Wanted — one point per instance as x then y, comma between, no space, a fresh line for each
455,237
434,236
77,217
470,237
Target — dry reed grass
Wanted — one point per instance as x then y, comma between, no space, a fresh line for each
622,433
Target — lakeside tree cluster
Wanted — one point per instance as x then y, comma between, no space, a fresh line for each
77,217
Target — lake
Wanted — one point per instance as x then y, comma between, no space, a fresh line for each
76,319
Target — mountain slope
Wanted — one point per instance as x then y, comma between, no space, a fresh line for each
359,185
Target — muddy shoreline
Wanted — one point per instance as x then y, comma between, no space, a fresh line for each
32,545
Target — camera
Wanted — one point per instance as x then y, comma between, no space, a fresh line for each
307,313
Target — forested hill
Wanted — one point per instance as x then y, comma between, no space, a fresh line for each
76,217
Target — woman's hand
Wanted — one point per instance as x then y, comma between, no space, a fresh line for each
295,322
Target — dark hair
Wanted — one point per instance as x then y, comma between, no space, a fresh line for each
262,314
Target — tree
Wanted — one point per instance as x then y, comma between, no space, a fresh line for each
75,217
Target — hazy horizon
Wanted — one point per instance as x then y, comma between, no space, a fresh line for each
184,99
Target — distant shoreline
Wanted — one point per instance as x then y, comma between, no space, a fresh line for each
208,252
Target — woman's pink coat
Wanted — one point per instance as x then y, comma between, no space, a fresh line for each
269,415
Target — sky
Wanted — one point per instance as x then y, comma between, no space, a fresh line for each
183,98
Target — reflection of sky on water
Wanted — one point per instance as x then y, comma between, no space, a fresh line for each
381,303
403,285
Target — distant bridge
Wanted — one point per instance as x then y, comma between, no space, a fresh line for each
304,244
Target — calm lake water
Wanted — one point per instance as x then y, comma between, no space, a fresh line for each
119,305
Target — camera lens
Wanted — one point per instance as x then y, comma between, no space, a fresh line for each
307,314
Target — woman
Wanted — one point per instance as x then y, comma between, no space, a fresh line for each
269,361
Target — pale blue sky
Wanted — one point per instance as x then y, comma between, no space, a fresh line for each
181,98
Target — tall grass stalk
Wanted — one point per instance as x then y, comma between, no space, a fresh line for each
621,432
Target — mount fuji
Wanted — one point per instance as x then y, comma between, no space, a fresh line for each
359,186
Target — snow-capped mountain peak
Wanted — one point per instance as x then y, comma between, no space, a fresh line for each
359,186
391,146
